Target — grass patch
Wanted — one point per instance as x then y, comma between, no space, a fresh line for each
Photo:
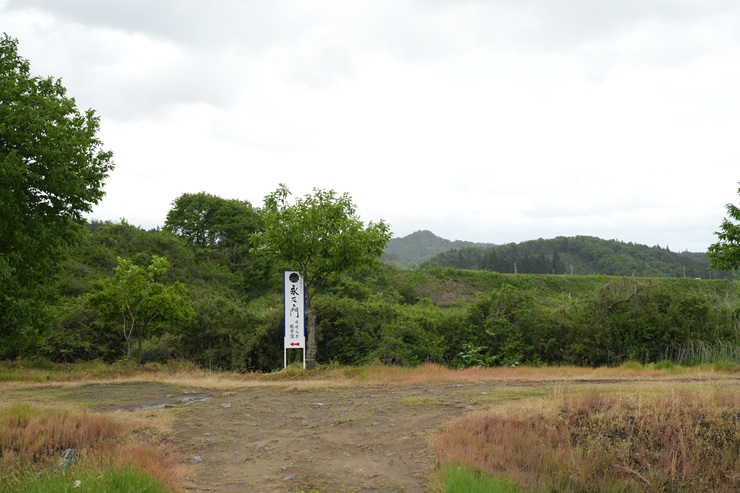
114,479
668,366
187,374
632,365
459,478
108,448
493,396
726,366
31,436
40,370
659,441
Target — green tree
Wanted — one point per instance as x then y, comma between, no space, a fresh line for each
725,254
558,266
134,297
52,168
321,236
221,230
210,221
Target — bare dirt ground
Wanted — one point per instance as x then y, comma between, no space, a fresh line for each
301,436
328,439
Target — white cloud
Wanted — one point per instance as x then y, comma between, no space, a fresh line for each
485,121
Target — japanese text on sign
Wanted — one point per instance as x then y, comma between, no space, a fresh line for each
295,337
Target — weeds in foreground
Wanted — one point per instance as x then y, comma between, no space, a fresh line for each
458,478
32,440
85,479
678,441
695,352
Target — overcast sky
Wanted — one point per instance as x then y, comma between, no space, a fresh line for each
491,121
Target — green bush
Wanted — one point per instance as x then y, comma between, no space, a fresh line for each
447,315
499,326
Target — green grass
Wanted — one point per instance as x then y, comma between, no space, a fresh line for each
463,479
81,479
727,366
632,365
667,366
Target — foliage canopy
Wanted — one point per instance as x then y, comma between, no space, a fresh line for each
205,220
52,168
725,254
450,316
320,235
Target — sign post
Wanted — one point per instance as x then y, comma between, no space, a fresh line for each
295,311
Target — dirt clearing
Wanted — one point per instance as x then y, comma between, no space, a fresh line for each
299,436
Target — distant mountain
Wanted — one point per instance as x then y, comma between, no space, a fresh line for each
562,255
418,247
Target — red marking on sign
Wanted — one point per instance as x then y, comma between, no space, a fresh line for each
295,343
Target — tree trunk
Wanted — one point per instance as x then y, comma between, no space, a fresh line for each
128,351
127,336
310,338
138,357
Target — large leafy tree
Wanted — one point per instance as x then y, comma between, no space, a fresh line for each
52,169
725,254
320,235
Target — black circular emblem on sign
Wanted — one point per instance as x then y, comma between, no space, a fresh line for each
294,277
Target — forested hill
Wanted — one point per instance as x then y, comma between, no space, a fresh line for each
418,247
561,255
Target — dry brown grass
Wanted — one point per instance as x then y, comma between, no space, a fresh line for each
33,437
431,373
159,461
666,440
13,374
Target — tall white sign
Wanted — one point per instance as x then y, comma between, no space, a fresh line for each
295,309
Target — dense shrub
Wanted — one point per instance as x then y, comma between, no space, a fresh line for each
455,317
